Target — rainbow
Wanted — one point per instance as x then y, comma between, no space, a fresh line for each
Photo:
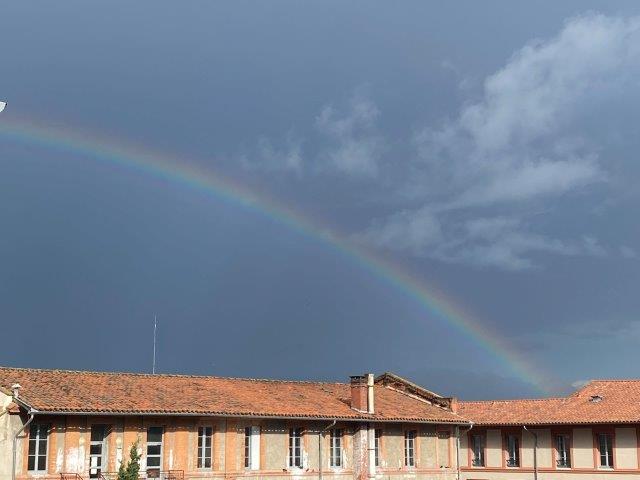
190,175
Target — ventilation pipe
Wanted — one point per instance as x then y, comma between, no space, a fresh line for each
370,391
15,388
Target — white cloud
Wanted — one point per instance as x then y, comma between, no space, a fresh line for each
522,144
355,146
414,231
268,157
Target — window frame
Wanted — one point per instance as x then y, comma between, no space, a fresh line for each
597,453
517,435
38,441
555,434
251,446
336,444
201,447
410,447
378,433
296,435
148,444
103,444
472,452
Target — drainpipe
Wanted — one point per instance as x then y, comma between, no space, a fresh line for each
320,436
15,443
458,435
535,452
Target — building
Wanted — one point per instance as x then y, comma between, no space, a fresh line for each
80,425
591,434
73,425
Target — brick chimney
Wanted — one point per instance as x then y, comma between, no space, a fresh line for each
454,404
362,393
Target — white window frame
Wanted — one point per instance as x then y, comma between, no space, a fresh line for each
410,448
252,447
295,444
377,439
38,439
205,433
335,448
97,461
153,444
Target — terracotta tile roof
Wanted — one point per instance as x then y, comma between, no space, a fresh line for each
600,401
128,393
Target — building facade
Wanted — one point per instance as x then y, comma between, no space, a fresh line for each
81,425
73,425
591,434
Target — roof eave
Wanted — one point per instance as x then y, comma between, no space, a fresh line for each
244,415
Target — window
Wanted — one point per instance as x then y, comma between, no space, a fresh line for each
335,447
97,450
378,438
605,447
204,446
477,450
295,448
513,451
154,450
38,437
563,455
252,448
410,448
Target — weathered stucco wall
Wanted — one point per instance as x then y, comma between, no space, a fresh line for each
70,438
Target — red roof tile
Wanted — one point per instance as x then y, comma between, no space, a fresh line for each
128,393
600,401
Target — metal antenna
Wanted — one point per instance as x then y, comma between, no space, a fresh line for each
155,326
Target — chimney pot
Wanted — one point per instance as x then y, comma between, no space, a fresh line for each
16,389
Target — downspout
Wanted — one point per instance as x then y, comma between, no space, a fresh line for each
458,435
320,436
15,443
535,452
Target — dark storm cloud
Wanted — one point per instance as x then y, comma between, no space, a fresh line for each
496,159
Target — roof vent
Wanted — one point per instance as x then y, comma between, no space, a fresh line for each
16,389
595,399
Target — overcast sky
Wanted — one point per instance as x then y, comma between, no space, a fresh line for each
487,148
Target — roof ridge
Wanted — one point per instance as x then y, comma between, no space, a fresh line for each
513,400
173,375
612,380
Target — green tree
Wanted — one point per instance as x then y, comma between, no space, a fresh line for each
132,468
